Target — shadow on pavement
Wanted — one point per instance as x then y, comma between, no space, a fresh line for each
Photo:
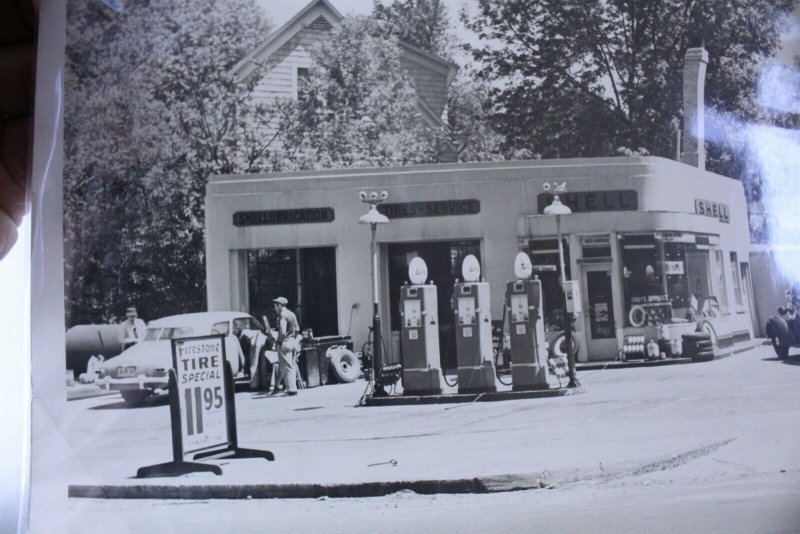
152,402
241,385
792,359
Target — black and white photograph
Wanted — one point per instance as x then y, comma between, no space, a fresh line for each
413,266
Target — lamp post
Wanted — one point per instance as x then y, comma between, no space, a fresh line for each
558,209
373,217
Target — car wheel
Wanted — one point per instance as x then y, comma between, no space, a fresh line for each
135,397
781,348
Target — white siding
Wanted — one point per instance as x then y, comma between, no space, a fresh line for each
280,80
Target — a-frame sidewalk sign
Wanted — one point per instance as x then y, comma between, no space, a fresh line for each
202,408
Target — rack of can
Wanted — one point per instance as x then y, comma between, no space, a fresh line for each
634,348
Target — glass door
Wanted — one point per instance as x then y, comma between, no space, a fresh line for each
598,312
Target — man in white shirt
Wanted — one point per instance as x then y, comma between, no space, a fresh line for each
131,331
288,344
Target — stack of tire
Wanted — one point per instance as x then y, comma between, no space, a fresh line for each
698,346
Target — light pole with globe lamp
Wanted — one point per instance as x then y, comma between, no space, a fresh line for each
558,209
373,217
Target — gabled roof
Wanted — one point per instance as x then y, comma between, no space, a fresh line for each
429,60
275,40
308,16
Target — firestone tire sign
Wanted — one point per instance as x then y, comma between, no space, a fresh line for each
199,369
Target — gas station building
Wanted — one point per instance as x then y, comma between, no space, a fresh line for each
649,240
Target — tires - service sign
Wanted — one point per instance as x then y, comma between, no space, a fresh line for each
198,364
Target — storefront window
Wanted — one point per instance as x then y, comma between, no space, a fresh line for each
664,280
544,257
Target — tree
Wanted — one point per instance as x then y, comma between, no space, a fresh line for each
468,121
593,78
150,112
358,107
422,23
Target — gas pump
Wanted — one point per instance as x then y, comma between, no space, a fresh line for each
473,326
420,333
526,328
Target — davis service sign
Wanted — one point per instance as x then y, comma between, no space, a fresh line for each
198,364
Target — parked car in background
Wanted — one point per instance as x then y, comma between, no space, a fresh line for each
142,370
783,329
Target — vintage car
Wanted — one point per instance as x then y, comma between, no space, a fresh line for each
783,330
142,370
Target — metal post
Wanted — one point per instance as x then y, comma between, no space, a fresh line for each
377,355
561,257
373,217
567,315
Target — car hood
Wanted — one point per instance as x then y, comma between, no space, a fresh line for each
145,355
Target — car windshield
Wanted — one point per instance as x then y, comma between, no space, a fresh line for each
246,323
154,334
174,333
220,328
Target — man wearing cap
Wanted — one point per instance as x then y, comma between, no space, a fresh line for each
131,331
288,344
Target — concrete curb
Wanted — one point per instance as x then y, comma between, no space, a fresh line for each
88,393
489,484
493,484
757,342
278,491
494,396
613,364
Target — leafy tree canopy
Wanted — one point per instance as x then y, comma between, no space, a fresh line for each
150,112
358,106
469,129
593,78
422,23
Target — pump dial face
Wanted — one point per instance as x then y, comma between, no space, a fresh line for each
417,271
471,269
522,266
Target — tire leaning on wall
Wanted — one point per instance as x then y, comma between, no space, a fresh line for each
558,347
345,364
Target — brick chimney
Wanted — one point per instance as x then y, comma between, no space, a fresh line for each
693,150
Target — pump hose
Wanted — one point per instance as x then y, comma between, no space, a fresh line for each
498,349
372,382
444,371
